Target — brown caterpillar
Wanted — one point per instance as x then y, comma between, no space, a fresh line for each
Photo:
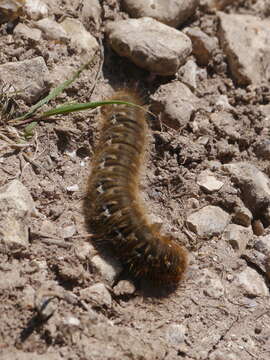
113,204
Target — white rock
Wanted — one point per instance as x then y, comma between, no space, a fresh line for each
173,13
175,334
109,269
225,124
238,236
124,287
85,250
237,34
150,44
208,221
11,280
27,32
35,9
73,188
52,30
16,208
254,185
251,283
97,294
80,37
68,231
208,182
27,77
211,284
175,103
188,74
91,10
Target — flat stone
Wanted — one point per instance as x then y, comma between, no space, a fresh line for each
252,283
208,221
52,30
254,186
202,45
27,77
238,236
36,9
240,33
175,334
97,294
172,13
208,182
149,44
175,103
226,125
109,269
80,38
211,284
16,207
187,74
27,32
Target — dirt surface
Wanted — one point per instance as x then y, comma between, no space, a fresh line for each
210,315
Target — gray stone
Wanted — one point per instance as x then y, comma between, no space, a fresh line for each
254,185
211,284
225,124
224,354
109,269
238,236
175,103
208,182
27,32
188,74
124,287
175,334
208,221
251,283
36,9
12,354
172,13
27,77
97,294
238,34
91,10
150,44
202,45
11,280
80,38
16,207
262,149
263,244
52,30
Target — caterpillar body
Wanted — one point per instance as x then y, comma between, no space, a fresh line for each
114,209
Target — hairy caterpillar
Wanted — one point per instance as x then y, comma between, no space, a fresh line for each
113,204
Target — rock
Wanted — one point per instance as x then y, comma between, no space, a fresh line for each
150,44
222,103
68,231
238,236
254,185
91,10
252,283
71,321
262,149
263,244
242,216
216,4
188,74
124,287
80,38
16,208
237,34
97,294
207,181
225,124
175,103
84,250
73,188
202,45
109,269
27,32
52,30
211,284
11,280
27,77
224,355
208,221
36,9
175,334
172,13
